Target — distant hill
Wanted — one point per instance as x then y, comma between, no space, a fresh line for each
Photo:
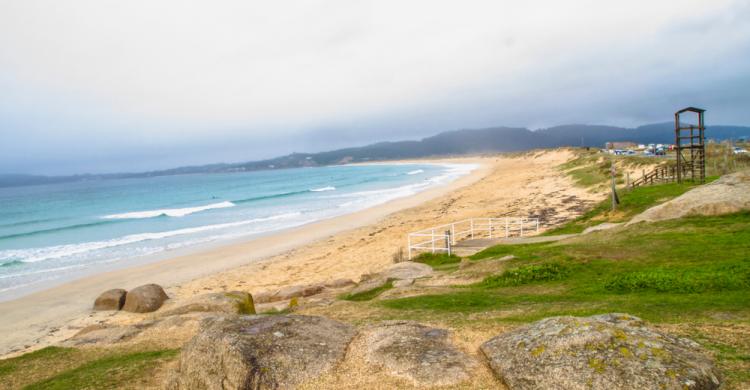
457,142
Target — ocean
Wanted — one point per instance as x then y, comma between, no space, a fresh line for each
53,233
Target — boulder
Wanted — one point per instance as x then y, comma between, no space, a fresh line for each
110,300
145,299
260,352
234,302
407,270
290,292
417,353
262,297
339,283
608,351
729,194
403,283
368,285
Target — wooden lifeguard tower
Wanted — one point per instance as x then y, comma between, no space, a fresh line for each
690,145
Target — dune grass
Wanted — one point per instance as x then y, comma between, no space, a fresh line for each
438,261
369,294
687,269
109,372
632,202
72,368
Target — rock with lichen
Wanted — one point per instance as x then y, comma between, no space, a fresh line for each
608,351
233,302
260,352
419,353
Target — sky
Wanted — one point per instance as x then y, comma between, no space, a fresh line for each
111,86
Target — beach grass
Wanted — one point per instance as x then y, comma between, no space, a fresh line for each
438,261
664,272
369,294
632,202
74,368
115,371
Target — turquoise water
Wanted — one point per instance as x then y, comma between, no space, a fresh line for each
53,233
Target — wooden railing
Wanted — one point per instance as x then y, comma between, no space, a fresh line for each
660,174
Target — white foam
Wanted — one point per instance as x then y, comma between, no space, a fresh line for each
169,212
415,172
323,189
61,251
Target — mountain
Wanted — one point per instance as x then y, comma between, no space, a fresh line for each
457,142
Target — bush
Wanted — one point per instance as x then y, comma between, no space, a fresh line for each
437,259
527,274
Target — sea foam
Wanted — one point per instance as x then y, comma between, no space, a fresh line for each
169,212
323,189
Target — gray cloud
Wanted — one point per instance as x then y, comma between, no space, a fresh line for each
110,86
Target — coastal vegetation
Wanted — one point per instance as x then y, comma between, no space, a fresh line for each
688,276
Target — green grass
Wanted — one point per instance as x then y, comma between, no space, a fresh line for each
632,202
369,294
11,366
669,271
527,274
106,373
438,260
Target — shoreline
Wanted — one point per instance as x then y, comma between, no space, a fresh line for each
124,263
39,318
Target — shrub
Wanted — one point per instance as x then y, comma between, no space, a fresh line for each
527,274
437,259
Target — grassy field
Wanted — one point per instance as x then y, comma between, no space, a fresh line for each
691,273
71,368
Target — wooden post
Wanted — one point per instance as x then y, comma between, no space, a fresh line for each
490,221
614,190
448,241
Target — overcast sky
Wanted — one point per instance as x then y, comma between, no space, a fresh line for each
102,86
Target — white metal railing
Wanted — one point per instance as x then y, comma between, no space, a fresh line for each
442,238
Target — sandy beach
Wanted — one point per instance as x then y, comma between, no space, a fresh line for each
342,247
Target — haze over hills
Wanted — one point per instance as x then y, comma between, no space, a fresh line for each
467,141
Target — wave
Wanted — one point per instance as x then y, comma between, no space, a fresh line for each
169,212
322,189
415,172
11,263
56,229
61,251
272,196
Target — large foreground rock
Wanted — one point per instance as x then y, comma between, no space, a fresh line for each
234,302
110,300
416,352
609,351
260,352
145,299
729,194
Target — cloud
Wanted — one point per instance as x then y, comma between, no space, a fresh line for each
106,79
